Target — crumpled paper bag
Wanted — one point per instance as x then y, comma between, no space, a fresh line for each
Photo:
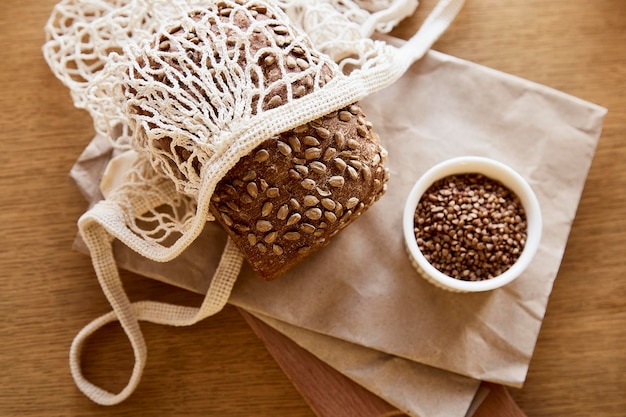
362,288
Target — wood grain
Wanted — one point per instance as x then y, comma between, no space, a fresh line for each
219,368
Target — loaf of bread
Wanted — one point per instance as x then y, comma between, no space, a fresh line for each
296,190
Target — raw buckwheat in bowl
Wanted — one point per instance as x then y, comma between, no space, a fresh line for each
471,224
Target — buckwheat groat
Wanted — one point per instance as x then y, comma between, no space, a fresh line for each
297,189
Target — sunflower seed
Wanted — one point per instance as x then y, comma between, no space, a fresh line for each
273,192
367,173
328,204
266,209
362,131
227,220
307,228
264,185
270,237
263,226
277,250
299,91
355,163
302,63
304,250
164,45
233,206
323,192
308,184
252,239
280,30
345,116
353,173
252,189
293,219
246,199
329,154
275,101
353,144
310,141
291,236
261,247
250,175
323,132
318,167
295,174
330,216
339,209
313,213
354,109
283,148
282,213
302,169
269,60
310,200
230,189
294,204
290,62
340,163
242,228
261,156
340,139
353,201
336,181
295,143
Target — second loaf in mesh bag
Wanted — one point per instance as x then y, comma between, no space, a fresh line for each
222,67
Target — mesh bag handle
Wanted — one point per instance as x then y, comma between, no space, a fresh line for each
129,314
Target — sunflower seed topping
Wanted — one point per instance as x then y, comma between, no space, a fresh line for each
263,226
307,228
293,219
328,204
310,200
252,189
295,143
330,216
277,250
308,184
270,237
310,141
291,236
266,209
282,213
283,148
318,167
353,201
313,213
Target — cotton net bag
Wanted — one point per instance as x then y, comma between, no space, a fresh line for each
207,100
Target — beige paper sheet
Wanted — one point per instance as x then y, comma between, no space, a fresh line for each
362,289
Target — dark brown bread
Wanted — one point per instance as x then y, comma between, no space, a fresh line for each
296,190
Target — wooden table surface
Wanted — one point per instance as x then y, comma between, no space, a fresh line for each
219,367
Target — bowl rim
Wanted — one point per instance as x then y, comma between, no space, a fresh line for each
494,170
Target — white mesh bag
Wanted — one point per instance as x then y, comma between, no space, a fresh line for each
180,84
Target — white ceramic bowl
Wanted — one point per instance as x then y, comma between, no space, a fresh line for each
496,171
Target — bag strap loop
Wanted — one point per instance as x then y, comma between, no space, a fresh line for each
129,314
